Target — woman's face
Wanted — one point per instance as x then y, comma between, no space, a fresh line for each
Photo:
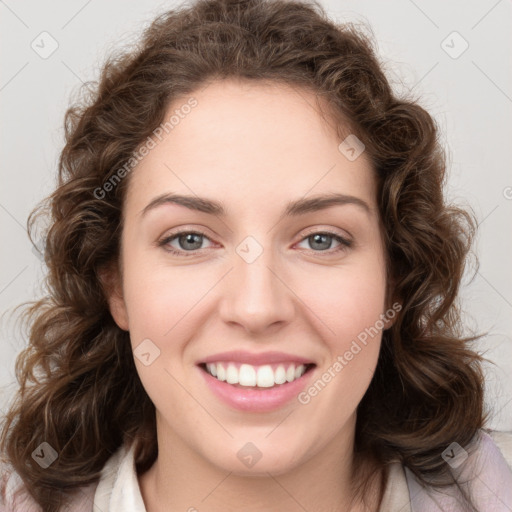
261,291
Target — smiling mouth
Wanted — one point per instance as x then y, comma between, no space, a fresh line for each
256,376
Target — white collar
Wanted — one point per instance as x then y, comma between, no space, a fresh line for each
118,489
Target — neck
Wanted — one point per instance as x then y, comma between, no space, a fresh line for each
183,480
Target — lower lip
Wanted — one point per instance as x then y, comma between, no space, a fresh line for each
256,399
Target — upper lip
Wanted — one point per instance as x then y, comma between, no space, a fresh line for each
241,356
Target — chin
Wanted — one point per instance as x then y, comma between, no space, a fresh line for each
252,461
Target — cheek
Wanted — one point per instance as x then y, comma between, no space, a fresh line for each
161,305
347,301
158,299
351,310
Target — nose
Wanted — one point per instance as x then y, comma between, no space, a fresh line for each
256,295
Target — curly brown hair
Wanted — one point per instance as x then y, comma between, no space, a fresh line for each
77,374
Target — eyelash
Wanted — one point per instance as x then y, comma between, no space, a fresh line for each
344,243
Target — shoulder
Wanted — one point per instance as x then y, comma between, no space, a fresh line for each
483,467
14,496
119,468
503,440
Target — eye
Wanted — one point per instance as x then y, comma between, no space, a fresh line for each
187,241
321,241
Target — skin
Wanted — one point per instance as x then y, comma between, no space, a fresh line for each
254,147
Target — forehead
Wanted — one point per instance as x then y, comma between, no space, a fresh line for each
261,141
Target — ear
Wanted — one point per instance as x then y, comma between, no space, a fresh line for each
393,306
391,314
111,281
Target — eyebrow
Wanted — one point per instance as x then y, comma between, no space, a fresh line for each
293,209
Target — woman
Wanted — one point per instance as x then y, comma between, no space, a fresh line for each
305,352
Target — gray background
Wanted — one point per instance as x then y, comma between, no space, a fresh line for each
469,93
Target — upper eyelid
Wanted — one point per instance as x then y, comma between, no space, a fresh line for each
330,231
305,231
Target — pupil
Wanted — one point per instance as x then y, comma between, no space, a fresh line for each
319,237
189,238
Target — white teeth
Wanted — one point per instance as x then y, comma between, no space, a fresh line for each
232,374
265,377
221,373
247,375
212,369
261,376
280,375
